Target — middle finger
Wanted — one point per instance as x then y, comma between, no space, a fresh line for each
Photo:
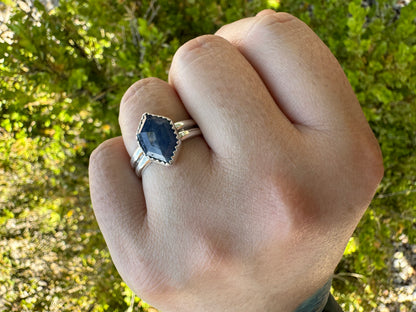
226,97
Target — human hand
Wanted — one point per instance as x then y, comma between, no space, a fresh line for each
255,214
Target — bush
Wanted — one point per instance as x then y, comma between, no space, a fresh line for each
63,73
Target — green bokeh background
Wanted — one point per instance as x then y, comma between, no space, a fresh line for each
63,72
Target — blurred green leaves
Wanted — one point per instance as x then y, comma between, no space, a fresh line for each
63,73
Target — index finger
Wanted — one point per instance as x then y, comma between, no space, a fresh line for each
300,71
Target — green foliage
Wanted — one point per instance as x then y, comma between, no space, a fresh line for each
63,73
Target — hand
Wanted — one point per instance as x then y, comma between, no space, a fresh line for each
255,214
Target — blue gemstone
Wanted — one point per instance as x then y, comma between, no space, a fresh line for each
157,138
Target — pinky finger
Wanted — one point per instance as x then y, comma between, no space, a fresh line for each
118,203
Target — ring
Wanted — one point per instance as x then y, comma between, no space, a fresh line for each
158,139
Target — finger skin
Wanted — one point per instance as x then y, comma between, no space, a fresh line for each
156,96
225,95
119,205
151,95
311,89
303,76
269,219
266,12
169,192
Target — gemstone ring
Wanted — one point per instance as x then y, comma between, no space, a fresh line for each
159,139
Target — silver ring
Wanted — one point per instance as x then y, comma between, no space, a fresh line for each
159,139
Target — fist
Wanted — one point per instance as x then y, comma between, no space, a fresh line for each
260,207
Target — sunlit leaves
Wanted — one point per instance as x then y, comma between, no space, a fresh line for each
64,71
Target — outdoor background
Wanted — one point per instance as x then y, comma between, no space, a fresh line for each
63,70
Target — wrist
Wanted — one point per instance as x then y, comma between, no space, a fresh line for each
317,302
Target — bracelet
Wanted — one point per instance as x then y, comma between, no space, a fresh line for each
317,302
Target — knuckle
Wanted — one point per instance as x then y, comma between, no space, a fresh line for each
137,98
138,87
103,151
265,21
372,160
199,46
223,29
282,17
360,164
197,53
278,24
265,12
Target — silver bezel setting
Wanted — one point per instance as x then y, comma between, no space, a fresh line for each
175,131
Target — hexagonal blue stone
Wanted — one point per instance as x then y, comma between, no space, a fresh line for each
157,138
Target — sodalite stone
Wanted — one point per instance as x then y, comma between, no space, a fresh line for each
157,138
